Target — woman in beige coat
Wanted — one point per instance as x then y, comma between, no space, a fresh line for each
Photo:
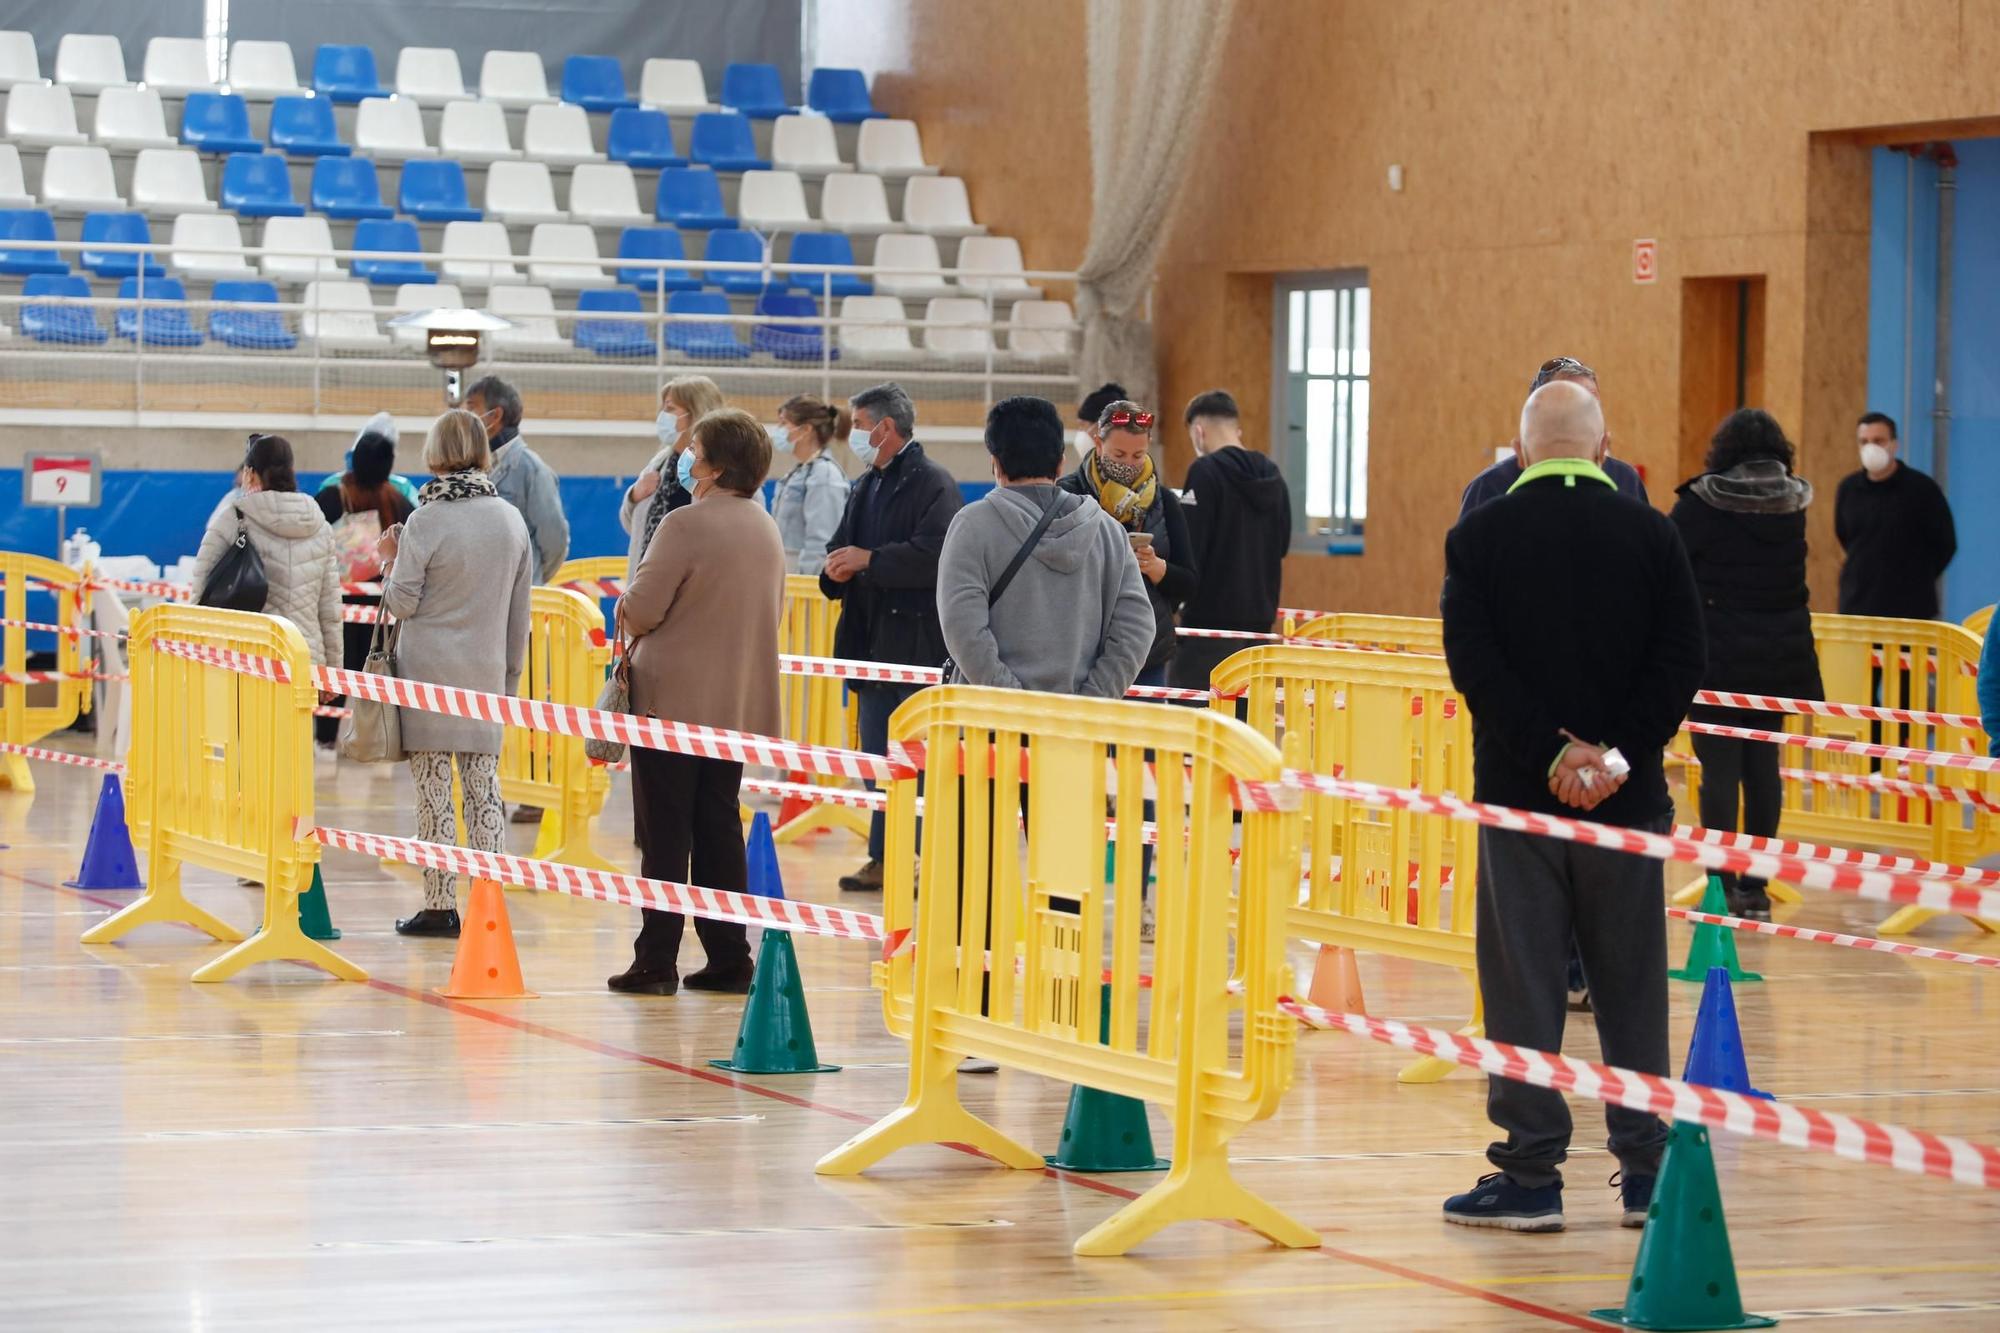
702,617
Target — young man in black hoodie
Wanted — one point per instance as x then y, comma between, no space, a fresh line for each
1239,518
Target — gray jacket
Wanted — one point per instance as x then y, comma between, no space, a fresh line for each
460,587
291,536
1075,620
808,504
529,484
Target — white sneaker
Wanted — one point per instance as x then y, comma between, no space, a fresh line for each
972,1064
1146,922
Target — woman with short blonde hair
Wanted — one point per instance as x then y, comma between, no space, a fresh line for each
659,491
457,443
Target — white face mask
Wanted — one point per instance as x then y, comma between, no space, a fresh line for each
669,428
864,447
1874,457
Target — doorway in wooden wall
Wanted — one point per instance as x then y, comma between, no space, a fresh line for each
1722,359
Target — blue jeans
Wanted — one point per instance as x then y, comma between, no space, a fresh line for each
875,702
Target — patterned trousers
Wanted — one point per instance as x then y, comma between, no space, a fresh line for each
485,819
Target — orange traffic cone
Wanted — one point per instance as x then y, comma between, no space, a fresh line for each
1336,981
793,806
486,966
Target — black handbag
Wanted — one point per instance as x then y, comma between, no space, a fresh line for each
237,583
951,674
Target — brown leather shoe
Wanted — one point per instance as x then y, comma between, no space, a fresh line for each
868,879
526,814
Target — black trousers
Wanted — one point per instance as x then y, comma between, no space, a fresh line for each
685,812
1729,765
1194,660
354,640
1535,894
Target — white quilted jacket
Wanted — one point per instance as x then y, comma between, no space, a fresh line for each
291,534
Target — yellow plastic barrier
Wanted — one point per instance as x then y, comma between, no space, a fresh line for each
59,703
1169,1044
816,711
220,775
567,660
589,571
1383,634
1978,621
1392,882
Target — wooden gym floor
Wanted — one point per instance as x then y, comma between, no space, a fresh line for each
284,1150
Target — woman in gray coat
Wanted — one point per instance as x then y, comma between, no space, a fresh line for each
457,577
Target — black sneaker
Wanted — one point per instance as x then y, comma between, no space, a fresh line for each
432,922
1496,1201
724,980
868,879
637,981
1637,1194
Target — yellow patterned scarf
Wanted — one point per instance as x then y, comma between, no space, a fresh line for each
1127,504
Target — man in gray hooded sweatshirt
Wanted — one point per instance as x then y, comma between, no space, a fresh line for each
1074,619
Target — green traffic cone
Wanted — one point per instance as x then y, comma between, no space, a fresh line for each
775,1036
314,919
1105,1131
1713,946
1685,1276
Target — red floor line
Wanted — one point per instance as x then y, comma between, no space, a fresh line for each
594,1046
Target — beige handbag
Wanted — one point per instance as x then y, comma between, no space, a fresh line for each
372,732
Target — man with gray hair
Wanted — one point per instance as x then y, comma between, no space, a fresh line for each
882,567
523,479
1574,634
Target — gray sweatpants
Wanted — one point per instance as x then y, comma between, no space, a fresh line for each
1535,893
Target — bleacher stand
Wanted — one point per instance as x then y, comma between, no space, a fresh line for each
559,133
513,79
475,132
217,123
595,83
563,257
28,224
830,248
13,183
130,118
235,326
390,128
60,323
395,236
117,229
841,95
168,181
258,185
805,144
430,75
891,148
724,141
77,178
304,127
711,339
691,198
209,245
308,246
773,201
661,243
162,325
612,338
938,205
532,312
733,245
642,137
348,187
435,191
346,74
478,255
177,66
754,90
340,316
855,203
41,113
908,266
522,192
19,61
89,63
605,193
674,86
261,71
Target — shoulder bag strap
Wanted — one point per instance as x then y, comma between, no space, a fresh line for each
1027,548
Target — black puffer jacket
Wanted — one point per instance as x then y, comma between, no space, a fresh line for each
1745,533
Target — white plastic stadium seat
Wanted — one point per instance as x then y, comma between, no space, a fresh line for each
414,296
773,201
993,263
559,132
90,62
77,179
856,204
562,255
430,75
41,113
891,148
169,180
260,71
805,144
209,231
477,254
871,329
390,128
1040,329
957,341
13,186
475,132
341,316
177,65
308,234
19,61
937,204
513,78
532,311
907,266
131,118
522,192
605,192
675,87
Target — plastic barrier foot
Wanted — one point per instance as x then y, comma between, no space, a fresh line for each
1713,946
1715,1055
108,860
15,775
1685,1275
1906,919
1194,1191
775,1036
556,842
281,939
486,966
932,1113
162,904
314,917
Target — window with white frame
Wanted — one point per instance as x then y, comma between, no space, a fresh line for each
1320,375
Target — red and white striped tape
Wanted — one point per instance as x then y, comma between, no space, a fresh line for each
69,631
61,757
1836,745
1922,791
1843,856
171,592
56,677
1945,1156
843,668
229,659
1867,942
1817,708
328,710
598,588
360,613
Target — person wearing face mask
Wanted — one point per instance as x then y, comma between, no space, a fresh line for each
1895,527
702,615
1239,519
658,490
523,479
813,495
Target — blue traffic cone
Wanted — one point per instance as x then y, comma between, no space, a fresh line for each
762,856
1715,1056
108,862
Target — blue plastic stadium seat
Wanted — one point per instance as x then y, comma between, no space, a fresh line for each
435,192
396,237
642,137
728,245
117,229
249,328
164,325
303,127
217,123
595,83
347,187
841,95
723,140
655,243
346,73
710,340
789,342
612,337
688,197
60,323
259,185
28,224
754,90
827,247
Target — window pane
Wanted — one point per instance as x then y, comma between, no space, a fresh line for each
1319,357
1344,332
1361,330
1295,323
1319,449
1358,447
1340,452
